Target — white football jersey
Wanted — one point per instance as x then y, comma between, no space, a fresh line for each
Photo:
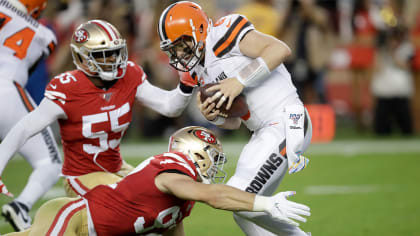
223,59
23,42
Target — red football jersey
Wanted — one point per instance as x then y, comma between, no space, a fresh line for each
96,119
135,205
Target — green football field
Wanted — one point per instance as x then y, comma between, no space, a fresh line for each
353,188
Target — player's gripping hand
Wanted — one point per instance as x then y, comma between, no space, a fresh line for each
4,190
284,210
297,163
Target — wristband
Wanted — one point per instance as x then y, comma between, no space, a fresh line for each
255,72
218,120
261,203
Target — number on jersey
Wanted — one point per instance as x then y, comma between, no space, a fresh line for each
19,41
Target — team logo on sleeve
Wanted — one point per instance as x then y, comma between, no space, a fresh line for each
206,137
295,118
81,36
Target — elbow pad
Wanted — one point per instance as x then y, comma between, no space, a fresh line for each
255,72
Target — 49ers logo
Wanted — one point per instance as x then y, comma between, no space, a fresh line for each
206,137
81,36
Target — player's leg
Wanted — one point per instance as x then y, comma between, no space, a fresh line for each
78,186
65,215
40,151
260,169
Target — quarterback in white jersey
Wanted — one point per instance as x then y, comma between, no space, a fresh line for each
243,61
23,43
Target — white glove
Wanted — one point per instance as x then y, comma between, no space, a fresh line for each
3,189
282,209
297,163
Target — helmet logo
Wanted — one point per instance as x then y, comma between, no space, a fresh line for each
205,136
81,36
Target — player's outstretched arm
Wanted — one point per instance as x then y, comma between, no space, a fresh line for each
29,125
232,199
168,103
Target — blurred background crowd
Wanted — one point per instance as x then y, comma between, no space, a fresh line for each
355,63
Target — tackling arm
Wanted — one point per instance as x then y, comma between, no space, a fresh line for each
29,125
168,103
232,199
216,195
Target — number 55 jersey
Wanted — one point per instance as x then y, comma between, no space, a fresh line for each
96,119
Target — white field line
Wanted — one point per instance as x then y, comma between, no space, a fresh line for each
233,149
347,148
346,189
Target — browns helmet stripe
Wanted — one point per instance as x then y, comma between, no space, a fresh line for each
162,22
226,43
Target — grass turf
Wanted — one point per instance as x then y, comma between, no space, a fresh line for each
374,194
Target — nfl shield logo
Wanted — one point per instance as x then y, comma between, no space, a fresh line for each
295,118
107,96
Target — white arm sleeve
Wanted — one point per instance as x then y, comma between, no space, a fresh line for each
31,124
168,103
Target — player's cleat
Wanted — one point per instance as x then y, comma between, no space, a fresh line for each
16,214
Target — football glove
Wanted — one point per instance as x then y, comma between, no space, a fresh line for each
282,209
297,163
4,190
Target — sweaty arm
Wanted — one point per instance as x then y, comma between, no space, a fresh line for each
31,124
225,197
216,195
168,103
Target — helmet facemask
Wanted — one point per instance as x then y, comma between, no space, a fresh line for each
204,150
210,169
183,28
108,64
184,53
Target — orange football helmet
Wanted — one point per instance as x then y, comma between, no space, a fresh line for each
183,28
34,7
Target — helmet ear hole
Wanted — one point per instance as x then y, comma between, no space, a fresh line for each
201,29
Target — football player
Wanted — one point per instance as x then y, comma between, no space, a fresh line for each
243,60
23,43
159,193
93,106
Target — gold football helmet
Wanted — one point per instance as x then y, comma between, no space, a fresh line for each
204,149
183,28
99,50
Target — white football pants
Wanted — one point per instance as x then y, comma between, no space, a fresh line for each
40,150
260,169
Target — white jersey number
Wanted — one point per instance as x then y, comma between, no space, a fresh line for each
172,211
104,143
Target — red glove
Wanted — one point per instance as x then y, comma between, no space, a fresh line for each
4,190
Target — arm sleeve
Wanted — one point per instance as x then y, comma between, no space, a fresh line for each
29,125
168,103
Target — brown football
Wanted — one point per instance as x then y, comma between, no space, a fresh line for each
239,106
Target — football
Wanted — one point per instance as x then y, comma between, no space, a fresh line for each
239,106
